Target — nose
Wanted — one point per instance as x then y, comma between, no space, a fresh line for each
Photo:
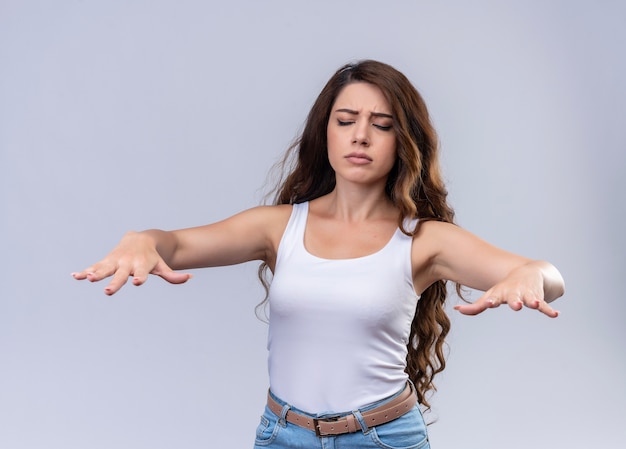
361,133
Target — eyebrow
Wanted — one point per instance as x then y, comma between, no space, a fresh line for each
373,114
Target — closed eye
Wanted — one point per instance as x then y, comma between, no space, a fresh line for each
350,122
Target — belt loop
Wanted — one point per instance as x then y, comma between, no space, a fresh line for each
359,418
282,419
352,423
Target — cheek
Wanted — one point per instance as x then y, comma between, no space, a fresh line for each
331,135
392,151
331,143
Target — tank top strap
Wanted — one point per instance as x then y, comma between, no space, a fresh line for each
293,236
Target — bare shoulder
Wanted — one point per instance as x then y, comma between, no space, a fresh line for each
442,236
431,236
434,228
271,221
270,216
428,243
444,242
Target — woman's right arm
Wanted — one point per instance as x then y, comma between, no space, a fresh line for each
250,235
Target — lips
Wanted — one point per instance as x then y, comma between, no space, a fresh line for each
359,158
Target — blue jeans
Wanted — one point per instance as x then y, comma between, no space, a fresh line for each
405,432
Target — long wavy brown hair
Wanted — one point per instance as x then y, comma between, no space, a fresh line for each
414,185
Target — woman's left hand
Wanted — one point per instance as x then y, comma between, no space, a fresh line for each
529,285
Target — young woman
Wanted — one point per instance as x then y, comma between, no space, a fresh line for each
360,245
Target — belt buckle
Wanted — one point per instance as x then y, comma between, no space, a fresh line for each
316,426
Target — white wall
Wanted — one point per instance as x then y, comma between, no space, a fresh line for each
119,115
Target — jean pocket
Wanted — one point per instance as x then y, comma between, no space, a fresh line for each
268,429
406,432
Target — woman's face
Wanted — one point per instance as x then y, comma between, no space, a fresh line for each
361,138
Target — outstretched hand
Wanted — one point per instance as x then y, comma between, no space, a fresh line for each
135,256
524,287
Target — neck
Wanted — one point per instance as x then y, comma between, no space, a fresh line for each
354,203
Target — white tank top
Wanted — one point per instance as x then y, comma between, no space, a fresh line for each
338,327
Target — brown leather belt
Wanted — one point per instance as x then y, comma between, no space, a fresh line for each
382,414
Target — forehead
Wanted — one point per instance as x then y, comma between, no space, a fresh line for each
362,96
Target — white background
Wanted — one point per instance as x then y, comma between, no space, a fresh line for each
118,115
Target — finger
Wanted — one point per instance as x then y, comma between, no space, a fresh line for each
100,271
140,276
118,280
86,273
515,304
162,270
512,299
545,308
477,307
81,275
176,278
532,300
165,272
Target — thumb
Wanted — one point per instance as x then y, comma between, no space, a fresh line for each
173,277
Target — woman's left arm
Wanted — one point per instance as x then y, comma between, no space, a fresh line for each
505,278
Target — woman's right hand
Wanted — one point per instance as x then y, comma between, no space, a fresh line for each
135,255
